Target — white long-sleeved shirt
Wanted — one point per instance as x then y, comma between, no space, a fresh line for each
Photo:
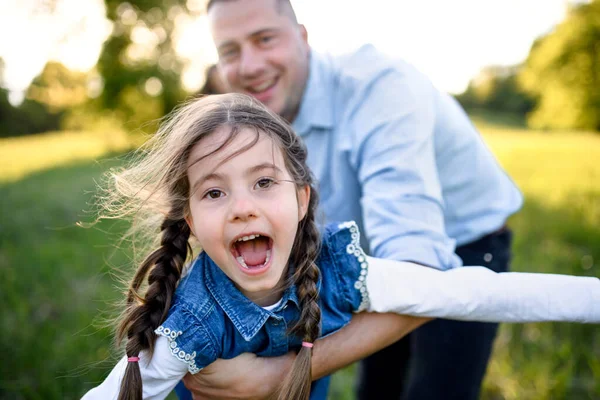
468,293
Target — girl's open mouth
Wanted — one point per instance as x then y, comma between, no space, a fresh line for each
252,252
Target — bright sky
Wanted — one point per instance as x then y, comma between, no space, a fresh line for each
448,40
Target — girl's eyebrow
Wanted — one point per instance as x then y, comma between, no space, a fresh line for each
264,166
250,171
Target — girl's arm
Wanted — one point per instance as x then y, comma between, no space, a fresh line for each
159,375
480,294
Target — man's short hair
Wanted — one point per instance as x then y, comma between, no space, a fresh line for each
283,7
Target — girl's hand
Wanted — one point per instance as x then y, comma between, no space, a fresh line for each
243,377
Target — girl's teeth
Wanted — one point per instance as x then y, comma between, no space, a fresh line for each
242,262
240,259
249,237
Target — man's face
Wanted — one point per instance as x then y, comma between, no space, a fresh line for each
262,52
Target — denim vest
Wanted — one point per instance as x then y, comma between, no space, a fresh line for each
210,318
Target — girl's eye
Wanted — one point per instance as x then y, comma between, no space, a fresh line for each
265,183
213,194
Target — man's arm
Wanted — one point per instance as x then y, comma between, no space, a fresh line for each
364,335
391,125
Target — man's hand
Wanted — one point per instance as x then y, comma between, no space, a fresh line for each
250,377
243,377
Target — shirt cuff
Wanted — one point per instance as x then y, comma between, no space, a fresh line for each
419,250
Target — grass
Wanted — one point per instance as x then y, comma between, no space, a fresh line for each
56,287
24,155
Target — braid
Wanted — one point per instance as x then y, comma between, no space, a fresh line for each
144,314
306,277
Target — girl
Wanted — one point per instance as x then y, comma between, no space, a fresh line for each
229,174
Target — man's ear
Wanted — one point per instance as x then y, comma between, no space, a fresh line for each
303,32
303,201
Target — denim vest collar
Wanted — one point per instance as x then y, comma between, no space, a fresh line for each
247,317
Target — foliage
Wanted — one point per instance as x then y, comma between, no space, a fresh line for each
561,71
136,80
496,88
58,88
29,117
139,65
49,99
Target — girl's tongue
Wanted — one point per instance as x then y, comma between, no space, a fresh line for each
254,251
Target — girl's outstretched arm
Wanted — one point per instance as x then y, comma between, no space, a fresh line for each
480,294
159,375
364,335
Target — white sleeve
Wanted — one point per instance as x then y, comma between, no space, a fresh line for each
480,294
159,375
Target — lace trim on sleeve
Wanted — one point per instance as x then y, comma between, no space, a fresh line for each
353,248
171,335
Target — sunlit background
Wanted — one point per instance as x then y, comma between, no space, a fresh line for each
83,82
448,40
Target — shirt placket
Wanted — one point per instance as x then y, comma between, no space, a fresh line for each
277,329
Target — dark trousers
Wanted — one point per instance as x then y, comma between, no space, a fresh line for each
443,359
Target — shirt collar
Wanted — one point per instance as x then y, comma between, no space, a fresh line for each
316,108
247,317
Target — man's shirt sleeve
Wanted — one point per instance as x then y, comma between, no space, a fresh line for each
392,124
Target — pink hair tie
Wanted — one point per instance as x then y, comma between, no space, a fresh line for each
307,344
133,359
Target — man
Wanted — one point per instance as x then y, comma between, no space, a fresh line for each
396,155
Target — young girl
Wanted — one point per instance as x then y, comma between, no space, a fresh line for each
229,174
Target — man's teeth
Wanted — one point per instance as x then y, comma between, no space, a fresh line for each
245,238
240,259
263,86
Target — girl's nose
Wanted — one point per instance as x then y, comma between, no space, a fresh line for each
243,208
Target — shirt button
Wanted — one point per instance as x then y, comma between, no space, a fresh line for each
487,257
285,306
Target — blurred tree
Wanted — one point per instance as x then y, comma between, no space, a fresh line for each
496,88
58,88
139,66
29,117
563,72
1,72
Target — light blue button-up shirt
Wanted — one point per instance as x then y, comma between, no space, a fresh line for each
401,158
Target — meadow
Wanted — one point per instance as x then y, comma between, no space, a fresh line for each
59,281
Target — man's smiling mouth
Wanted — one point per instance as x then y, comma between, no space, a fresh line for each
257,89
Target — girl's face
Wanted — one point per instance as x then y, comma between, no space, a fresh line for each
244,210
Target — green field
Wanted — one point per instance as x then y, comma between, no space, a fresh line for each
57,288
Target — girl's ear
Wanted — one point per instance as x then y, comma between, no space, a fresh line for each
190,223
303,201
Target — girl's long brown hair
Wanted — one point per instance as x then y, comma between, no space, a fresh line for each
153,192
